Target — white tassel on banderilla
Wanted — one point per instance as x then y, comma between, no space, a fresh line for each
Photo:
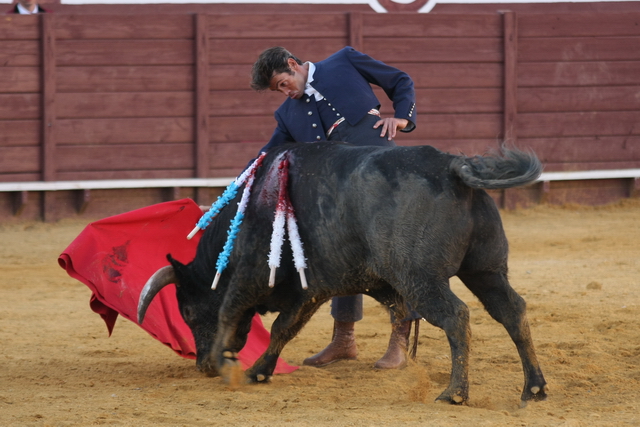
285,214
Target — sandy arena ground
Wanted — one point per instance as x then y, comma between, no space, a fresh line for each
577,267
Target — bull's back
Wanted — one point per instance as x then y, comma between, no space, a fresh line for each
360,208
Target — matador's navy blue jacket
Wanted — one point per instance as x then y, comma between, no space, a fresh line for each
344,80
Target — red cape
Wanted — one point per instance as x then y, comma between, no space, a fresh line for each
116,256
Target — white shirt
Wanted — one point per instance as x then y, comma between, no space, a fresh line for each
308,89
23,11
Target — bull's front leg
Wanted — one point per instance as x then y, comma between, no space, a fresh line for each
230,339
284,329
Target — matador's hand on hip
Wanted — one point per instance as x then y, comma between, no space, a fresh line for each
390,126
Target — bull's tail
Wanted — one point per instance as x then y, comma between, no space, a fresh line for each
506,169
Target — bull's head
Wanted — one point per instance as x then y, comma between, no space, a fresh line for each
198,304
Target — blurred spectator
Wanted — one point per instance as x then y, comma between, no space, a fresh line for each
27,7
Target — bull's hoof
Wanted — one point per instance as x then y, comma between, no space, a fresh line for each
257,376
260,378
211,374
228,354
231,370
534,393
453,398
208,369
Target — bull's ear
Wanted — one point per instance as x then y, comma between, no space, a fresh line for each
179,268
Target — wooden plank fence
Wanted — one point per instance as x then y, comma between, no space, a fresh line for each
123,96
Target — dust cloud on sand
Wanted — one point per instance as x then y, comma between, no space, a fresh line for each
577,267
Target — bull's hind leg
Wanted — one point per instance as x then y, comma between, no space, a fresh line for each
442,308
507,307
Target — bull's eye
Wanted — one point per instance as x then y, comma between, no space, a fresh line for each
187,314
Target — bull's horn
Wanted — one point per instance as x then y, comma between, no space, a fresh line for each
159,280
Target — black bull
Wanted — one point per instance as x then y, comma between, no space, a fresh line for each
394,223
